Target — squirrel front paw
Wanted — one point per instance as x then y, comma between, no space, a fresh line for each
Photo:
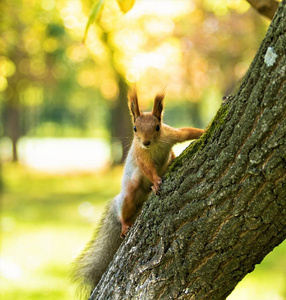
156,186
124,231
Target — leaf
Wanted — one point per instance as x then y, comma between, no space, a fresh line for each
125,5
93,15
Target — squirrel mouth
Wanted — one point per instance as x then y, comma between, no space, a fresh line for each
145,146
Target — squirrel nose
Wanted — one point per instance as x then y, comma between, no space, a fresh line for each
146,143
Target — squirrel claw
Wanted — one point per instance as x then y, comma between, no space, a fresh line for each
156,187
155,190
124,231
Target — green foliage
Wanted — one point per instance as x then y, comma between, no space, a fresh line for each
95,12
94,15
125,5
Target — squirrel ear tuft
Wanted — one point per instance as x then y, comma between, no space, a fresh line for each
158,106
133,103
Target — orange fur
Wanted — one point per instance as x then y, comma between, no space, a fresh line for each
149,157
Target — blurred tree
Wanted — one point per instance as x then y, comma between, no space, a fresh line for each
11,38
121,121
222,204
265,7
1,180
121,129
43,68
25,63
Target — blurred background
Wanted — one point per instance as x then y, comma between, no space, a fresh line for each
65,127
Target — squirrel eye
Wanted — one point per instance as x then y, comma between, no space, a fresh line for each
135,129
157,127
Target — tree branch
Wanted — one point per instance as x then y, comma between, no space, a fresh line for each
266,8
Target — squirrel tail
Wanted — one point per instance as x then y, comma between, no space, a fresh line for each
94,260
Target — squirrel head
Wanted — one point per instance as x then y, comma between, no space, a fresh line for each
147,125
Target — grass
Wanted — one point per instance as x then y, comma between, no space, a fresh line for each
47,220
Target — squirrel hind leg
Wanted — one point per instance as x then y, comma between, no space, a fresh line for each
129,206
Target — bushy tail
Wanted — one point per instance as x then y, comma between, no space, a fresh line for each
94,260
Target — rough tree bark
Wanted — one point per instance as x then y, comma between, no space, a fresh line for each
222,205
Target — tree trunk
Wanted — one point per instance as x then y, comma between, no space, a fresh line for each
222,205
13,127
1,179
121,120
121,129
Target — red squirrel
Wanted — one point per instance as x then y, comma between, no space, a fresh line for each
147,161
148,158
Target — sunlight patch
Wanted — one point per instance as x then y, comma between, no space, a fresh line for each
9,269
62,155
